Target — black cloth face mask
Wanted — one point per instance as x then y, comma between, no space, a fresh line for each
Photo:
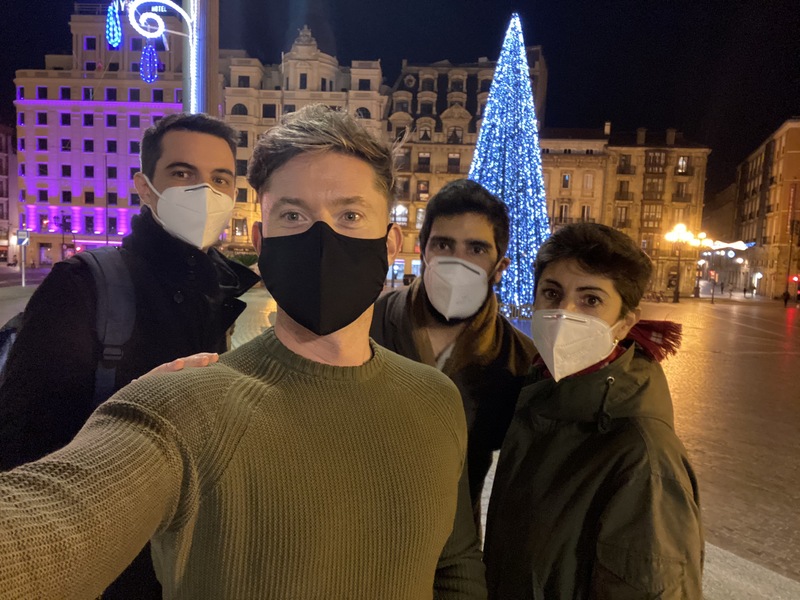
322,279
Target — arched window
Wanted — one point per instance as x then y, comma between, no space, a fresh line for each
363,113
427,84
455,135
239,109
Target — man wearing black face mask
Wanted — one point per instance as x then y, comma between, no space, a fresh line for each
448,318
308,463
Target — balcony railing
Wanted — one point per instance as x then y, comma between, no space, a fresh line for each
423,168
622,224
454,169
681,197
626,170
625,196
684,171
651,225
654,196
562,220
404,165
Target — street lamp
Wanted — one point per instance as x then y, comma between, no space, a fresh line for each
679,236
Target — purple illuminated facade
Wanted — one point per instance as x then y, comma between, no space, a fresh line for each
79,124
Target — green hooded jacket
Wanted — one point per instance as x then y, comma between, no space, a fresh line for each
594,496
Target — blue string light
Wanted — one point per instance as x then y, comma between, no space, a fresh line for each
113,26
148,68
508,163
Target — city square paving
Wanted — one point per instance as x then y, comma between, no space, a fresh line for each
736,391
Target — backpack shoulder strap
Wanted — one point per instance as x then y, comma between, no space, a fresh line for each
116,313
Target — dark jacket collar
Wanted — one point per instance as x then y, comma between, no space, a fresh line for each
175,258
632,386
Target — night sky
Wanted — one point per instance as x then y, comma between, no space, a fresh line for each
725,72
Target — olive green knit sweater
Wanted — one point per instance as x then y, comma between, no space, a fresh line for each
264,476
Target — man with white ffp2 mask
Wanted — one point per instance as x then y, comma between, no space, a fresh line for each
449,317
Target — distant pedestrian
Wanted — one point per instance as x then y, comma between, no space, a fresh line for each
745,291
786,295
722,287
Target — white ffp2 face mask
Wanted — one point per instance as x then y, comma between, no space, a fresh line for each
570,342
196,214
455,287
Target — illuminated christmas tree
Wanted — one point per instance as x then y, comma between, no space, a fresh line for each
508,163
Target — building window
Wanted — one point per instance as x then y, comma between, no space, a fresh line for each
66,145
243,81
66,170
426,108
683,165
66,197
88,93
364,85
157,118
41,92
621,217
654,161
425,134
400,134
66,119
88,145
323,83
400,214
420,218
239,110
651,216
21,118
88,171
455,135
240,227
588,181
586,213
485,85
65,93
563,213
136,44
22,170
90,65
134,147
41,118
111,120
243,139
88,224
427,84
566,180
678,215
111,172
158,95
288,108
111,146
113,67
303,81
454,162
90,43
241,194
268,111
424,162
135,200
133,172
133,121
363,113
111,94
401,106
111,198
134,67
241,167
42,195
457,85
41,144
21,144
88,120
112,225
42,168
88,197
134,94
402,159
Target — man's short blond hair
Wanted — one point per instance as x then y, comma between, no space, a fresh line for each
319,128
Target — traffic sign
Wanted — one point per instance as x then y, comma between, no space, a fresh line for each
23,234
24,241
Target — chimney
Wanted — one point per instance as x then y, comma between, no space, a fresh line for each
640,136
671,136
607,128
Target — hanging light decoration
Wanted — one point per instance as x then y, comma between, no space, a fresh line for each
113,25
148,67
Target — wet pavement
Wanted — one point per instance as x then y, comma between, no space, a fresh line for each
736,391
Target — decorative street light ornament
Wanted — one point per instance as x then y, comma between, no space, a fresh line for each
148,67
150,25
113,25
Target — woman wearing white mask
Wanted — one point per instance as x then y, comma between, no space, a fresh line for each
594,496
